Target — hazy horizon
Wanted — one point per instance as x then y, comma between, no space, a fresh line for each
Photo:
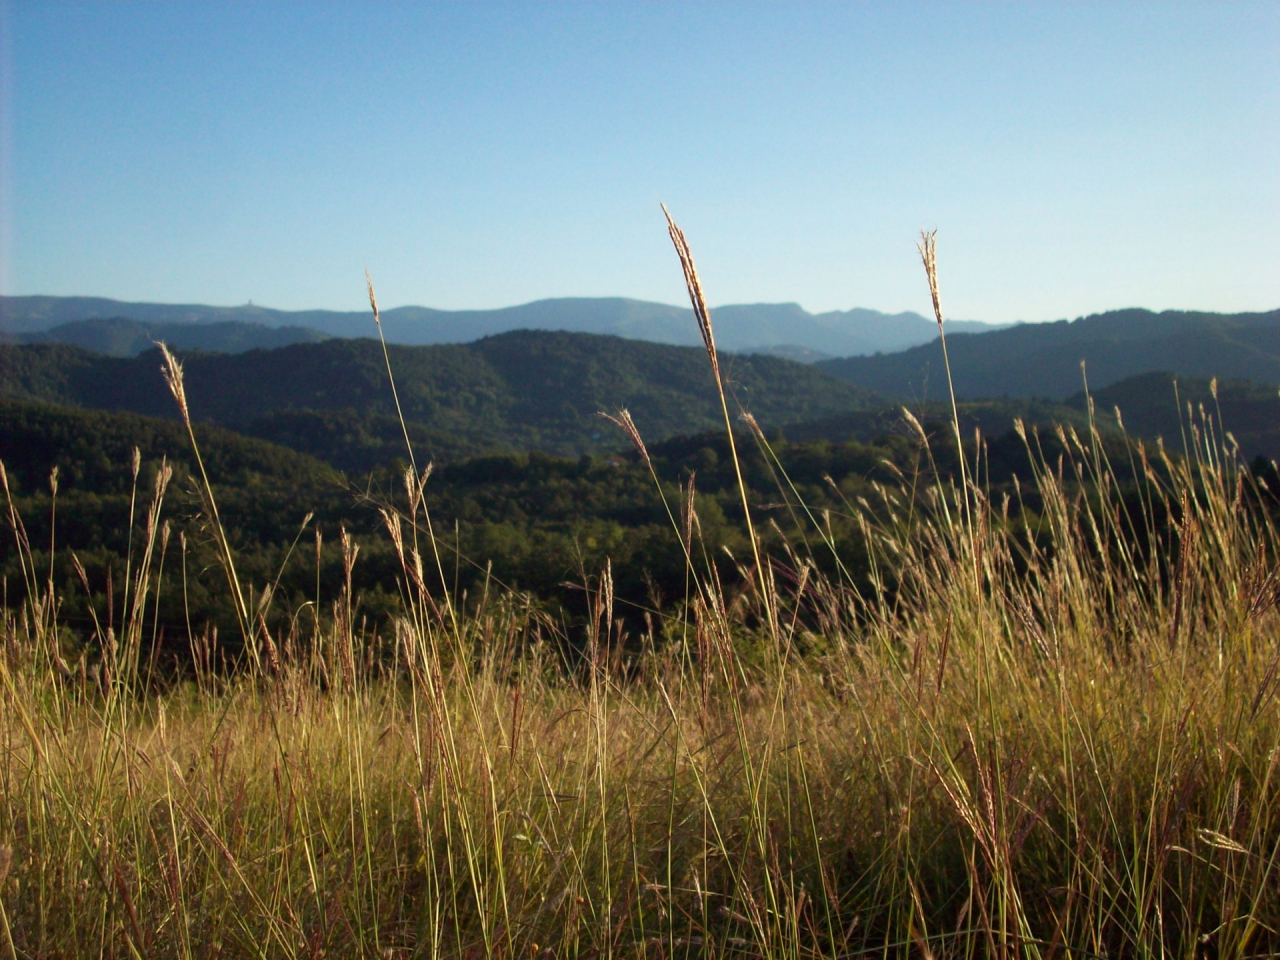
681,305
384,307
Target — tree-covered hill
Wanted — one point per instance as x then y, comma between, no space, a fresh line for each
89,448
1152,406
263,493
989,418
523,390
1155,405
1043,359
529,521
122,337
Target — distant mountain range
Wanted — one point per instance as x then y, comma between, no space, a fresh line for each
540,390
785,329
525,390
1043,359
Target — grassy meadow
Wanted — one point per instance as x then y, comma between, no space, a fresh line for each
1037,724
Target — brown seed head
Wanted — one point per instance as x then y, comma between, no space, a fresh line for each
79,569
373,298
928,247
694,286
172,371
163,476
628,426
749,419
690,515
911,419
392,521
350,550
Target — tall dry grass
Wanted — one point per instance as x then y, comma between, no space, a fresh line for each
1047,728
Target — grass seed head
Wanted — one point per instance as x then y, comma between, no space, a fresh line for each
694,285
928,247
373,299
919,428
623,420
749,419
172,371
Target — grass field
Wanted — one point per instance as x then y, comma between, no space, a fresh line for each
1044,727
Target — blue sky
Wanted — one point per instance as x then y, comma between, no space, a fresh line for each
1074,158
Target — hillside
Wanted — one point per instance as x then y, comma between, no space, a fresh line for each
526,520
122,337
1155,405
744,328
92,450
1043,360
522,390
1152,406
263,493
990,418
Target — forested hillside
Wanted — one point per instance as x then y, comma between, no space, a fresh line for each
527,521
1156,405
1043,359
1152,406
122,337
523,390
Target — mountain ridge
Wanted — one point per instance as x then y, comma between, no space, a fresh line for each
1044,359
123,337
519,390
758,327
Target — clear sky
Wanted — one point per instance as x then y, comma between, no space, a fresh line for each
1074,158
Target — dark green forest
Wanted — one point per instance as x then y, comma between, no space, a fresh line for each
1043,359
123,337
1156,405
532,522
518,391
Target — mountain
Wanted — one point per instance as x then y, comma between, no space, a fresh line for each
1152,406
525,520
122,337
739,328
524,390
263,493
1155,405
92,451
990,418
1043,359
